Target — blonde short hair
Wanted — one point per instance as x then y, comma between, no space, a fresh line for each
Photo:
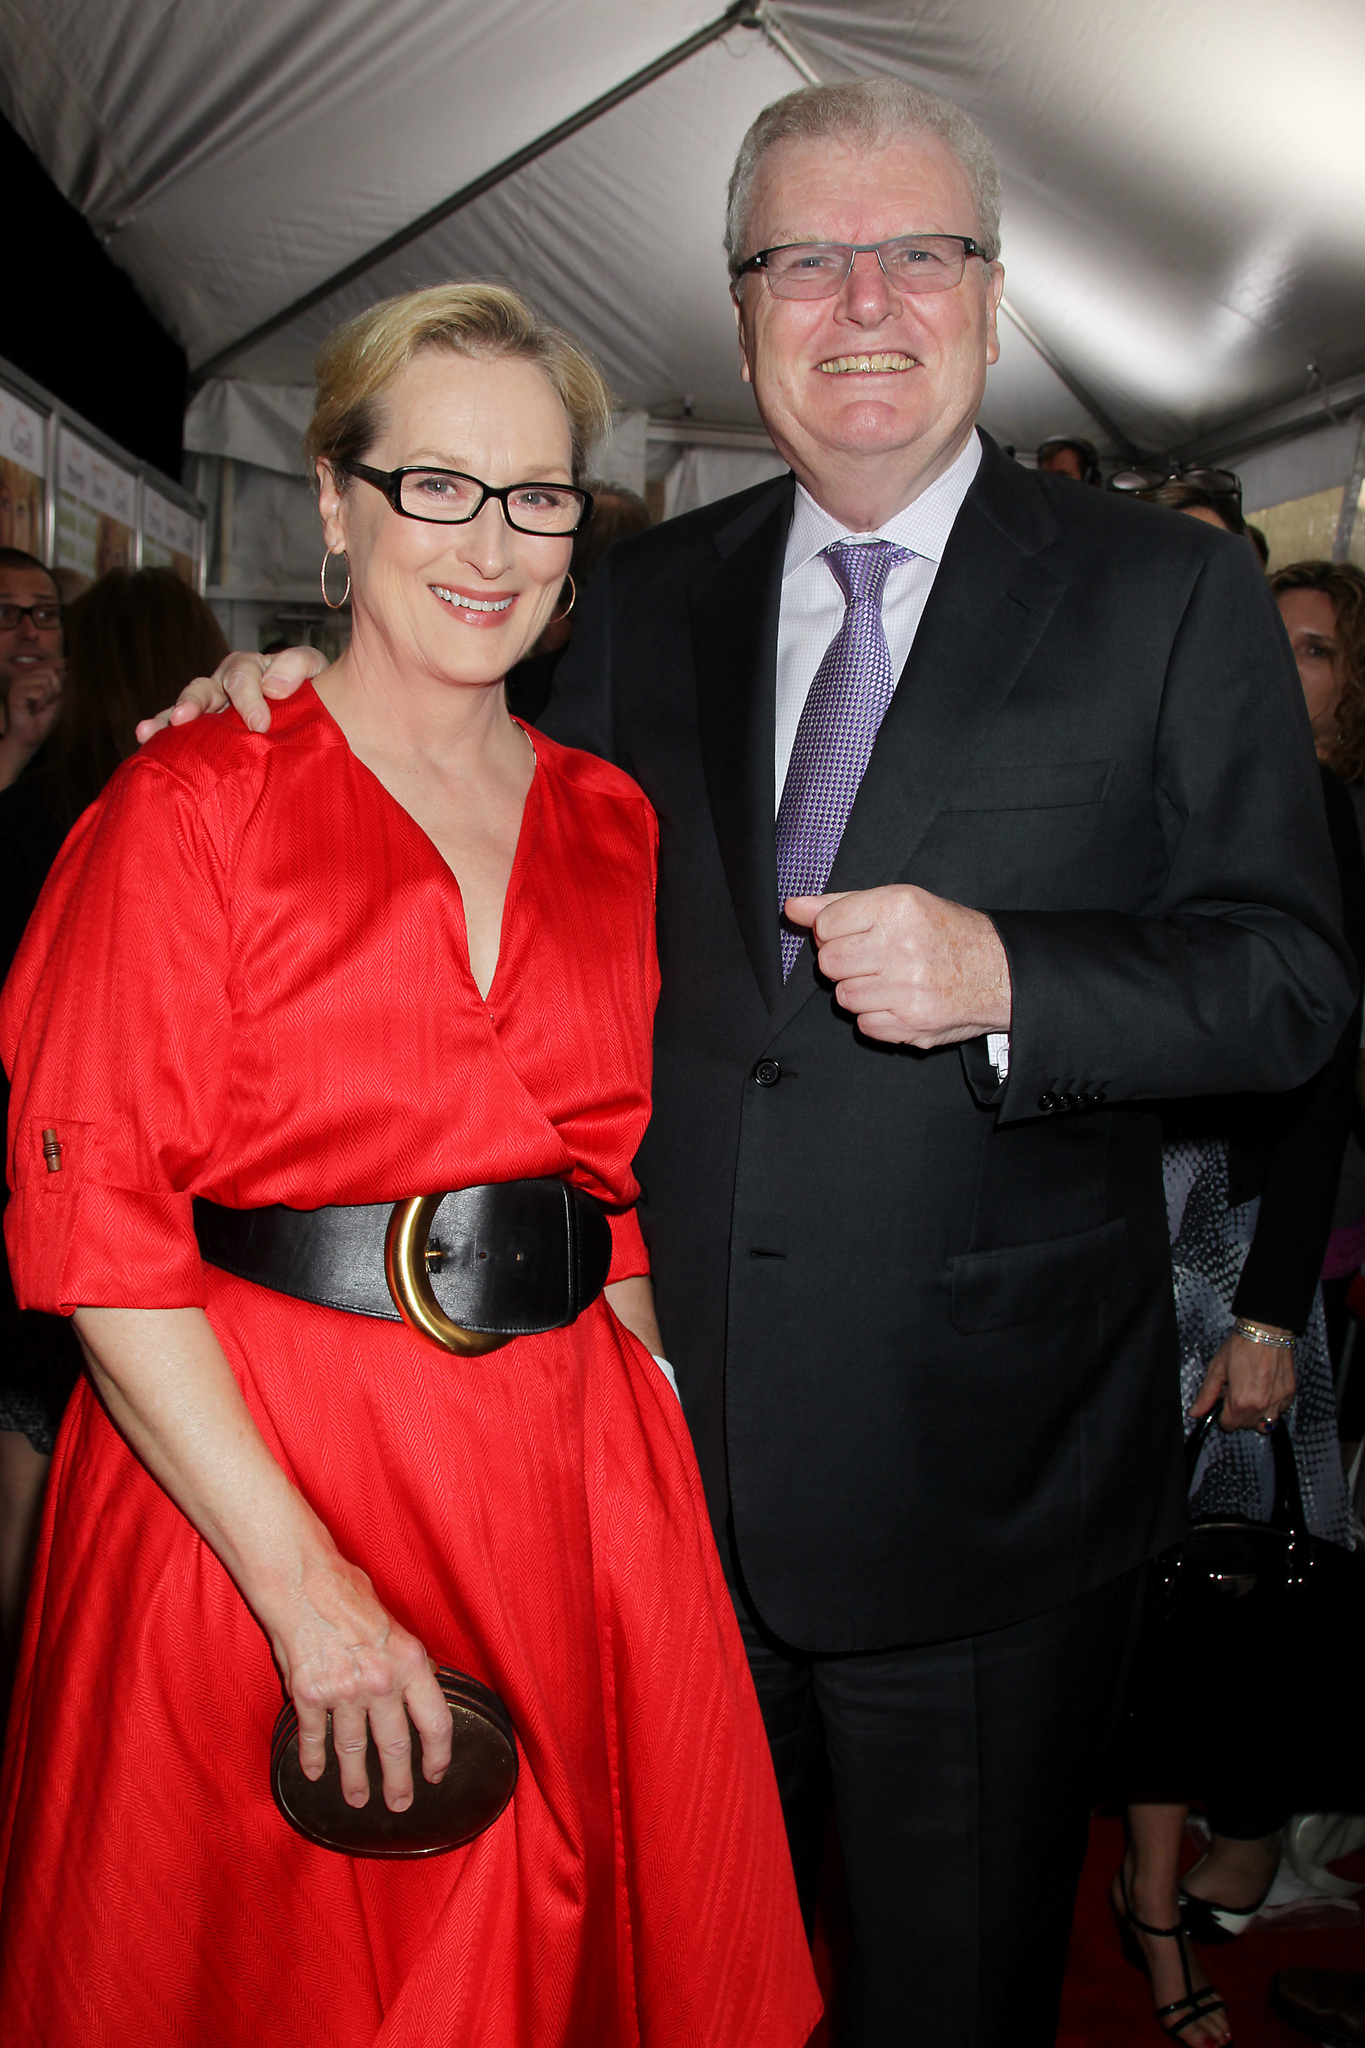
356,364
867,114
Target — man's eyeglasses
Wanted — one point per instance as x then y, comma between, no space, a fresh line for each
1150,476
43,616
446,497
817,270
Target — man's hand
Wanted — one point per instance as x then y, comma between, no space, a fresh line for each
31,705
914,969
1256,1381
30,701
245,681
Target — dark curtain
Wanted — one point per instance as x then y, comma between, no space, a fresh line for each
72,320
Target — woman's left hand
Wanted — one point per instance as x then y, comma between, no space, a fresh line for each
1256,1381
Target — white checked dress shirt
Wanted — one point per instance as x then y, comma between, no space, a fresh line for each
812,607
813,604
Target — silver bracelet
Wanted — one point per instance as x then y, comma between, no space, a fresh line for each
1256,1333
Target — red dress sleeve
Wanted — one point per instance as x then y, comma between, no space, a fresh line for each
628,1255
115,1027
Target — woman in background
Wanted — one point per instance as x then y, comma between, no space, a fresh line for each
1323,608
1249,1190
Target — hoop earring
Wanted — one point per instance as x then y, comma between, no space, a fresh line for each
555,617
345,593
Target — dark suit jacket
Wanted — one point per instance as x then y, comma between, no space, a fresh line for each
922,1324
1287,1149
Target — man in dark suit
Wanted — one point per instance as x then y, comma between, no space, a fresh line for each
1030,770
904,1207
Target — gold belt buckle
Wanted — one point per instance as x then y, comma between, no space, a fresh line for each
405,1269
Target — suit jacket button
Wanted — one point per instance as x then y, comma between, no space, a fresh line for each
767,1073
1048,1102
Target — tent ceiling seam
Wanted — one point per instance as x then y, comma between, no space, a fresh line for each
736,15
1297,416
1083,398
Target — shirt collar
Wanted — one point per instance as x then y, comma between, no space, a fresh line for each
923,526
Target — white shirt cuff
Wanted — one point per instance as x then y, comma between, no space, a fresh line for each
998,1052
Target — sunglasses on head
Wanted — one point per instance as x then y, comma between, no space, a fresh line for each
1150,476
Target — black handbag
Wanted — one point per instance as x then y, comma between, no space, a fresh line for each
474,1791
1250,1665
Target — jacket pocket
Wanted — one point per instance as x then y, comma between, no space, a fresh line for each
1040,786
1025,1283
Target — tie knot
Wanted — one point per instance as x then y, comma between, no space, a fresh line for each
861,567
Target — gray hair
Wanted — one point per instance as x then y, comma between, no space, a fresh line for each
868,113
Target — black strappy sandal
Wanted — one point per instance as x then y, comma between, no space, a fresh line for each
1181,2013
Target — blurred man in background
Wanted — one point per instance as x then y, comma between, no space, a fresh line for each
30,659
1070,455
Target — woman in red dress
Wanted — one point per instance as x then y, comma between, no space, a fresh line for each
391,947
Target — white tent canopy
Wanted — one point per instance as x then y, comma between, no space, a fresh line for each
1183,229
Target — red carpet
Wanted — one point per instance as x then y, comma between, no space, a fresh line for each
1106,2004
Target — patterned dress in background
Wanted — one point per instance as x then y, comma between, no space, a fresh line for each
1209,1244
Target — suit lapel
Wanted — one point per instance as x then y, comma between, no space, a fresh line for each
734,638
986,613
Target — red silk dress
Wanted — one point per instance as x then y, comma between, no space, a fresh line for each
248,978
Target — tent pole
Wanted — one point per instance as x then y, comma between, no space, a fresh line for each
1073,385
738,14
763,18
1350,497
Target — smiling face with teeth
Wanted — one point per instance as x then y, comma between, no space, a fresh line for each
870,394
460,604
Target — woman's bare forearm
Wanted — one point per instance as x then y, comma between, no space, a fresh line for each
632,1303
171,1393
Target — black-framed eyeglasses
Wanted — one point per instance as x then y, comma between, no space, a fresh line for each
446,497
817,270
1150,476
44,616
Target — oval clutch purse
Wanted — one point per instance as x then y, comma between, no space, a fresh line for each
481,1779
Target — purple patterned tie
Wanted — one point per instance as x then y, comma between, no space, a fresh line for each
839,722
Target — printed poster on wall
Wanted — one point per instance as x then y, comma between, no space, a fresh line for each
23,464
96,503
170,537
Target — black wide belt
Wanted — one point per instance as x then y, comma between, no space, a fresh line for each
470,1270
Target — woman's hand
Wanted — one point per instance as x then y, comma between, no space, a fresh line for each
1256,1381
245,681
169,1390
339,1653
